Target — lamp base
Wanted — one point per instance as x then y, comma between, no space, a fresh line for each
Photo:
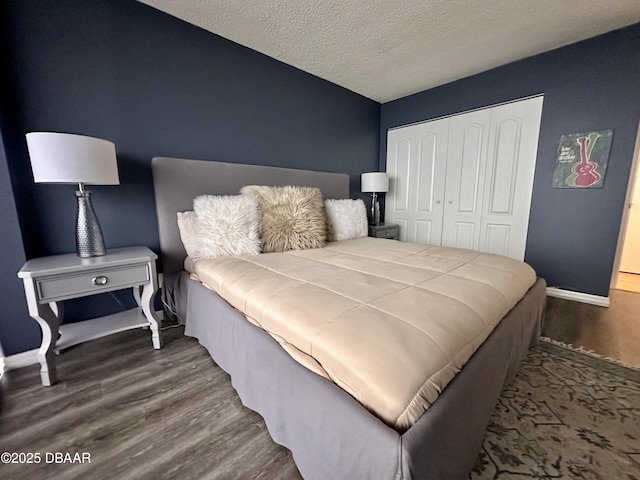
89,239
374,213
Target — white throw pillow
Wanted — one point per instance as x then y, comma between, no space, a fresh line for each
347,219
227,225
188,226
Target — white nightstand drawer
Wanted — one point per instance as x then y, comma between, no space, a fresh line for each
87,283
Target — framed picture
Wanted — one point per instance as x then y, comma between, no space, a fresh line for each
581,159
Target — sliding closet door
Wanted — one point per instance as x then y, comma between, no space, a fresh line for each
513,147
464,185
416,163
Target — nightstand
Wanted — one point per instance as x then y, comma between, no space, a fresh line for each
384,230
49,280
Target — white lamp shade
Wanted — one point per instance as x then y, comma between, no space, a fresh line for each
374,182
68,158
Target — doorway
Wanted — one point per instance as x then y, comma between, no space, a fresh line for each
629,271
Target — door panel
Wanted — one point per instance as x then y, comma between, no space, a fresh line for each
423,229
497,239
401,175
416,163
465,235
402,229
466,163
503,167
426,168
472,160
513,147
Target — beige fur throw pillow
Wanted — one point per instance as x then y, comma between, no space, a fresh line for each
292,217
346,219
227,225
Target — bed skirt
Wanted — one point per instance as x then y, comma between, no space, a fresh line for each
330,435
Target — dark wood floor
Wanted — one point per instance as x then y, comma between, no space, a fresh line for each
612,331
172,413
139,413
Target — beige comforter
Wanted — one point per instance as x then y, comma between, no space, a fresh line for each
389,322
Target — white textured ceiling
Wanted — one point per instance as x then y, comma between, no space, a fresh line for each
386,49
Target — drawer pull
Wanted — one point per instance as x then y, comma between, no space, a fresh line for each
101,280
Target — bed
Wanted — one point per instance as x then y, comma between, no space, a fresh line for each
330,434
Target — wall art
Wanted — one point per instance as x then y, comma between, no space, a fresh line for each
581,160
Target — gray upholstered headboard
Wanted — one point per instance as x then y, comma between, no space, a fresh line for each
177,181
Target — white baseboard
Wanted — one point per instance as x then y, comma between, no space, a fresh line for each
19,360
578,296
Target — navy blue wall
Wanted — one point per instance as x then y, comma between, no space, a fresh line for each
17,332
155,85
591,85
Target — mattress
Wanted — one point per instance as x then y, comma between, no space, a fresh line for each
389,322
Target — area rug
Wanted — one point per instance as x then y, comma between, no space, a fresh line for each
568,414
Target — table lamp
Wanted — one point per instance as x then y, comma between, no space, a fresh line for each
68,158
374,182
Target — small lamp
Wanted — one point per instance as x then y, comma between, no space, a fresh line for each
68,158
374,182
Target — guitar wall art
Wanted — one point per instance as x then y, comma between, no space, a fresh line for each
581,160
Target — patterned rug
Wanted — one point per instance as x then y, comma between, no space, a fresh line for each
568,414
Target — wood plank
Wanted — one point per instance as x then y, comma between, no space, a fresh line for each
140,413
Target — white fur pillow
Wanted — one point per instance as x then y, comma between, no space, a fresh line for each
292,217
227,225
188,226
347,219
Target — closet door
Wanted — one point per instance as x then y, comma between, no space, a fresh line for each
416,163
464,185
466,181
513,147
